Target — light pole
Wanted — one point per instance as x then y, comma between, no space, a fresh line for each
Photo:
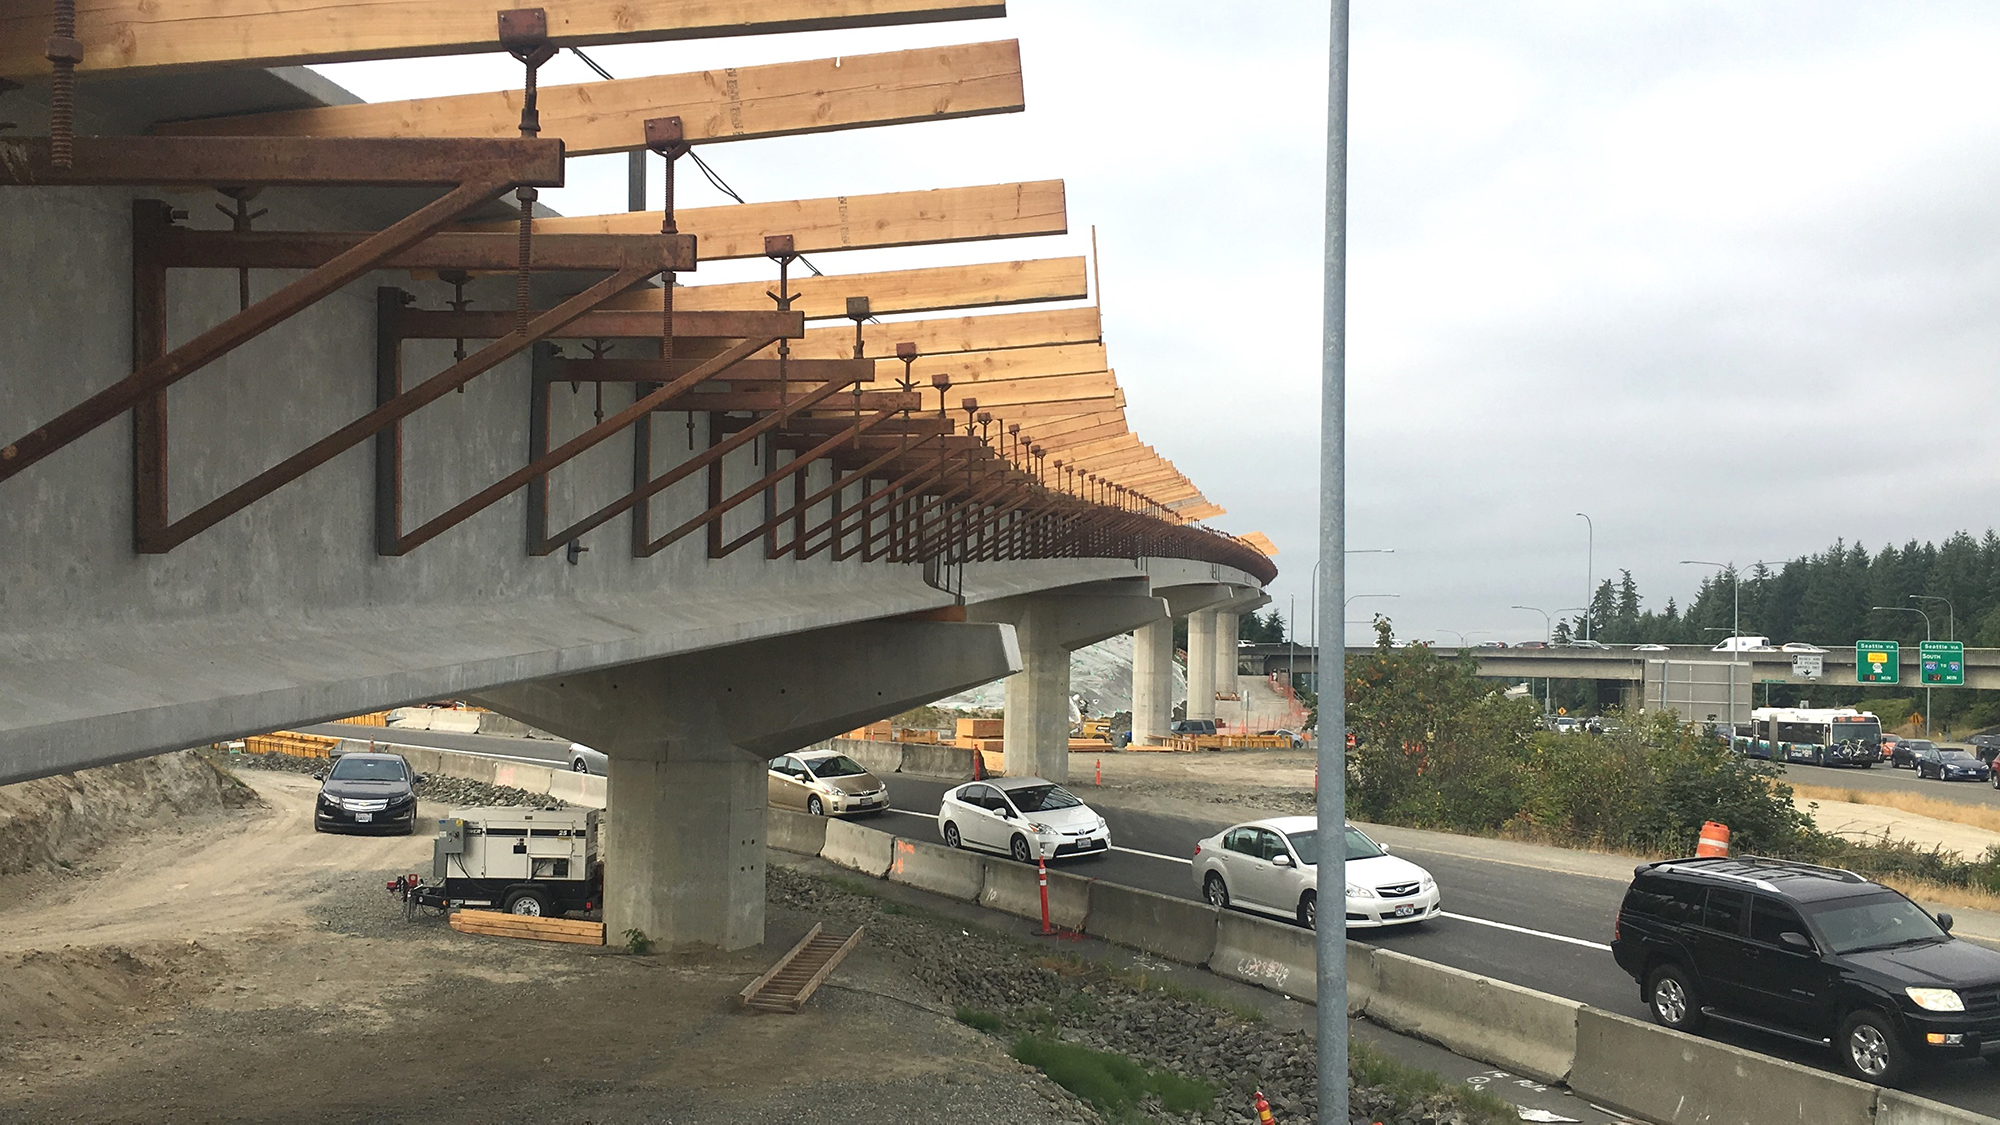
1330,802
1312,597
1735,630
1548,635
1589,571
1343,614
1951,615
1927,637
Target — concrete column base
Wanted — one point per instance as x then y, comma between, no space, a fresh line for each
1152,681
684,850
1201,664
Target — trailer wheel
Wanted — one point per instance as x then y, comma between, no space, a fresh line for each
530,902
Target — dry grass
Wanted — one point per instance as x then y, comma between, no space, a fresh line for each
1978,816
1937,894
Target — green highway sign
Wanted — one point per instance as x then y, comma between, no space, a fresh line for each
1943,663
1876,662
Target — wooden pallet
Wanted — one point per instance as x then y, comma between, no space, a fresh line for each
493,923
792,981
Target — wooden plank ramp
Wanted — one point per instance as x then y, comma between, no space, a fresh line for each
493,923
792,981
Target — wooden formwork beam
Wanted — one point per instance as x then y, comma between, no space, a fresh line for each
128,35
1030,413
739,103
895,291
996,397
844,222
1009,363
944,335
1084,436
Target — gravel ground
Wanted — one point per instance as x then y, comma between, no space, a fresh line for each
1084,1003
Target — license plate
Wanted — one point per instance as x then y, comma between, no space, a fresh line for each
1405,911
363,817
1092,844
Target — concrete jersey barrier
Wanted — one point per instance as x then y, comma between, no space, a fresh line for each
1894,1107
802,833
1666,1076
1271,955
863,849
1529,1032
939,870
1177,928
1013,888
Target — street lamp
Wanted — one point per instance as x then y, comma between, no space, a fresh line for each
1343,610
1548,635
1951,614
1589,572
1312,598
1927,637
1735,628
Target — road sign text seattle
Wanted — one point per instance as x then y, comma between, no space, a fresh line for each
1943,663
1876,662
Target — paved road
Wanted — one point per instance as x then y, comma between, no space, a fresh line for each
1546,930
1882,778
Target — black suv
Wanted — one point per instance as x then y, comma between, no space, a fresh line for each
1813,954
1985,747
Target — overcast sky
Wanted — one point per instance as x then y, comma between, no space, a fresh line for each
1717,273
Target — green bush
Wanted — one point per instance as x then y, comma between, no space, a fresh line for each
1112,1084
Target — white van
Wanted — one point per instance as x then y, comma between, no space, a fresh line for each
1743,644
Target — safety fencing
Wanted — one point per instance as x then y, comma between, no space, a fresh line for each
291,742
371,719
1637,1068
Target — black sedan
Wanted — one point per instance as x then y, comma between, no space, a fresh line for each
1905,751
367,793
1951,765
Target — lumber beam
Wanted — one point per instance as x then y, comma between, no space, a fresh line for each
739,103
1008,363
187,248
134,35
721,325
1060,427
1029,414
1061,441
895,291
996,397
844,222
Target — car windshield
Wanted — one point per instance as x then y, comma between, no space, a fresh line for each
1957,756
840,765
367,769
1042,798
1875,922
1361,847
1916,744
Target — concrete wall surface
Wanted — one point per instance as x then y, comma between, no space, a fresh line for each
939,870
1530,1032
1267,954
929,759
1177,928
1014,888
1676,1079
863,849
797,832
1894,1107
586,790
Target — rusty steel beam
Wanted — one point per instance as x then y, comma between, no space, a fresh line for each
688,467
183,248
604,324
387,414
154,376
802,506
717,511
750,370
284,162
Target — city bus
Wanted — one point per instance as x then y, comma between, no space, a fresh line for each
1819,736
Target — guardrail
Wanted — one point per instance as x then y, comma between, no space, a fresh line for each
1637,1068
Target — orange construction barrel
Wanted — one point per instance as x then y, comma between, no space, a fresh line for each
1714,840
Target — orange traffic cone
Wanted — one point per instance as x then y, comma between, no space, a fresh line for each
1264,1111
1714,840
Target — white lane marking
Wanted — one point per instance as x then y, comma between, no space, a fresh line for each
1526,930
1153,855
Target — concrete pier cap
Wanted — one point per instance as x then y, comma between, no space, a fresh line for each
1050,626
688,737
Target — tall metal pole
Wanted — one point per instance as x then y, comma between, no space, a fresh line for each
1920,663
1548,636
1589,572
1332,797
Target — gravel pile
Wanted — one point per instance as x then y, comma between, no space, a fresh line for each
1089,1005
457,792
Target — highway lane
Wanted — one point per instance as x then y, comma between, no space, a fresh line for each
1883,778
1559,921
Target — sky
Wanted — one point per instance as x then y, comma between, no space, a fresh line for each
1721,275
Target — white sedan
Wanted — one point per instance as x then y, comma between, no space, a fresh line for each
1272,867
1024,817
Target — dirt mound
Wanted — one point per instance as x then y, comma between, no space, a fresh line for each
42,990
52,822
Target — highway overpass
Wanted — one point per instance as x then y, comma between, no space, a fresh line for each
330,454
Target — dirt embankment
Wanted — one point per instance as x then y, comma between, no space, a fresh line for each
51,823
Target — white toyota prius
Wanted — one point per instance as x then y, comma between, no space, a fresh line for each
1025,817
1272,867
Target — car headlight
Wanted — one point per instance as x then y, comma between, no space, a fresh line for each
1043,829
1936,999
330,799
1359,892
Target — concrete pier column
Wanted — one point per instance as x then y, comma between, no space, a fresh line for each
1226,625
1048,628
1152,681
1201,664
689,734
